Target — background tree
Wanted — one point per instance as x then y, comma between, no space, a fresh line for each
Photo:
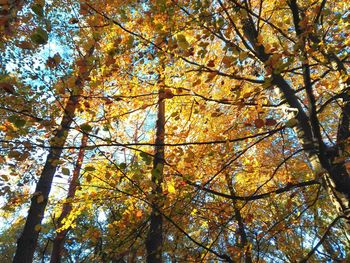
256,132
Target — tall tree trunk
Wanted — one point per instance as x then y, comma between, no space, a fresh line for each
154,241
323,159
27,242
336,179
59,240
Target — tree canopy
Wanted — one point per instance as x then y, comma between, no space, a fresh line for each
174,131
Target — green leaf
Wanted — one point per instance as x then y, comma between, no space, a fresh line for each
122,166
146,158
19,123
130,42
90,168
160,166
85,127
88,178
291,123
39,37
65,171
38,9
156,172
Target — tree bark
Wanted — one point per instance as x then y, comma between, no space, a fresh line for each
336,179
27,242
322,158
59,240
154,241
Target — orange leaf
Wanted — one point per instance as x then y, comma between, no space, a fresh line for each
139,214
259,123
211,63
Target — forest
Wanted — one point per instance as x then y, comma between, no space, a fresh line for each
174,131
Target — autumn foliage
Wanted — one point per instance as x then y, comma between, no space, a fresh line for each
174,131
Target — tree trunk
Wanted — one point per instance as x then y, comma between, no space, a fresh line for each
154,241
322,159
27,242
59,240
244,243
336,179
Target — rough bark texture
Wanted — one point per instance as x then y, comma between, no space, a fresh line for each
336,178
59,240
154,242
334,175
27,242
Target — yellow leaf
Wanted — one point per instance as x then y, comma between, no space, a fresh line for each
243,56
182,42
171,188
37,228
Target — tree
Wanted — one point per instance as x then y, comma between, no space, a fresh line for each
28,239
250,99
154,242
58,242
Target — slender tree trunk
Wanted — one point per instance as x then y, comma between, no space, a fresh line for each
154,242
27,242
241,228
59,240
